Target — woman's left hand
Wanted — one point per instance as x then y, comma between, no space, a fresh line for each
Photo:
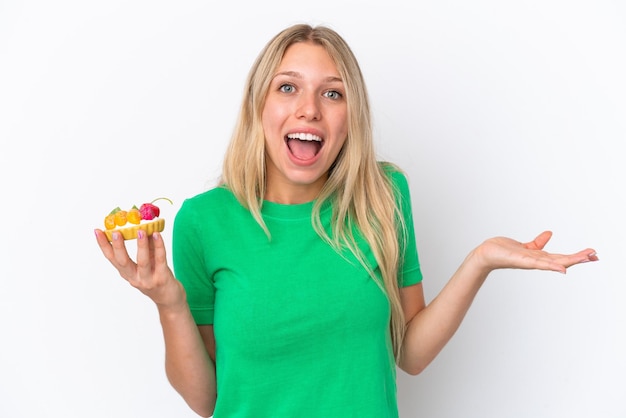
500,253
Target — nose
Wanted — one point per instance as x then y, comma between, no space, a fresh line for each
308,107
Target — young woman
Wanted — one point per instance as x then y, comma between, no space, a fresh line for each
298,287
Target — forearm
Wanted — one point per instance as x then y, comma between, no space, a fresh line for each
187,363
431,328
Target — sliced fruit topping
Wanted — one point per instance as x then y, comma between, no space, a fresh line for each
147,211
134,216
120,217
109,221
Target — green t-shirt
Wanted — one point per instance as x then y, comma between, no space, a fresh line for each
301,331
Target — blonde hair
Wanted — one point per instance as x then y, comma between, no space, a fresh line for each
361,193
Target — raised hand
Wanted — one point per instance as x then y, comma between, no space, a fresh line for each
150,272
501,252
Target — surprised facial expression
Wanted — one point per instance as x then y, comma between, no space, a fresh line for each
305,123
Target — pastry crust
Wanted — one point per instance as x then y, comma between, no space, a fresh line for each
130,232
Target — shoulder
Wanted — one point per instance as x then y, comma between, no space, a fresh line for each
211,197
211,203
395,175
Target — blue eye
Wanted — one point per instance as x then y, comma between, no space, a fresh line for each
286,88
333,94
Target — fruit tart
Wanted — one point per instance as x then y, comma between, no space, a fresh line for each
128,222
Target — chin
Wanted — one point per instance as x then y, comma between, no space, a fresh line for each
306,178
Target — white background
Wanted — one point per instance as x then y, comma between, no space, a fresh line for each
509,118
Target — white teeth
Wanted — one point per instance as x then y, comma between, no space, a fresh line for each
304,137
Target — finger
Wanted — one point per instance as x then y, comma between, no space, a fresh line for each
117,255
561,262
540,241
151,246
144,258
583,256
160,256
114,251
104,244
592,255
121,259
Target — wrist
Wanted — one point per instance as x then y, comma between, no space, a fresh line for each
476,264
176,301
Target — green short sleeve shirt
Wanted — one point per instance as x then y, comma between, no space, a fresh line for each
301,331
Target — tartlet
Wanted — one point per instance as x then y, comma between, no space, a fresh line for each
129,222
130,232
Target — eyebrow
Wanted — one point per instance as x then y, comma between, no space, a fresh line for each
296,74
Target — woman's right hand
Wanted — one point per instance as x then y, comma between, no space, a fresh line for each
150,273
187,363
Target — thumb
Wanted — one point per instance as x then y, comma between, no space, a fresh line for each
540,241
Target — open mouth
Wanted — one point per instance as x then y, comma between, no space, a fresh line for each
304,146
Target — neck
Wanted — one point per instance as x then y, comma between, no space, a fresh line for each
292,194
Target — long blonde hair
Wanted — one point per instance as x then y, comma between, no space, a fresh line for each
362,196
